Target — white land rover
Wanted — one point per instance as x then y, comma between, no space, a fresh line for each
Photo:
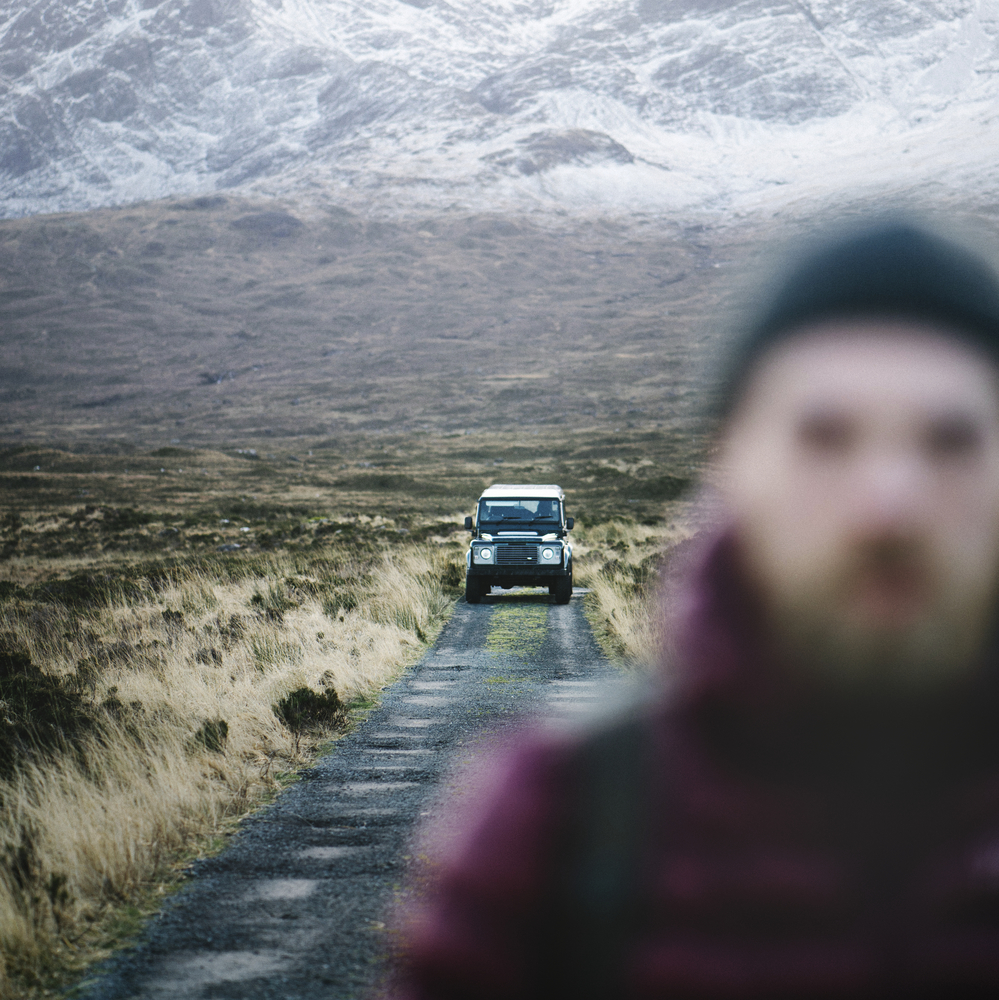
519,539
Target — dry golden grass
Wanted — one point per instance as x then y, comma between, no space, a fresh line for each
621,563
338,401
185,682
181,609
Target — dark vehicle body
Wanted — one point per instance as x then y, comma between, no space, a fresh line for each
519,539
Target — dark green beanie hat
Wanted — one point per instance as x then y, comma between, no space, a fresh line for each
894,270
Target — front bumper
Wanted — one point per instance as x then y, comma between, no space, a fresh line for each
508,573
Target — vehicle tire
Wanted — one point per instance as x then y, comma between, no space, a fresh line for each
473,589
563,589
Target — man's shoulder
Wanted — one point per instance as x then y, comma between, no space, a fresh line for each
535,779
628,713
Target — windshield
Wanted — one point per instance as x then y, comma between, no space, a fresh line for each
519,511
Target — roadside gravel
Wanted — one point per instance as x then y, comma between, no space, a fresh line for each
295,906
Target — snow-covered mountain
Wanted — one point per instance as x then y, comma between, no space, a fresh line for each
575,105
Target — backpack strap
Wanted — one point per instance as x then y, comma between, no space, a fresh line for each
596,892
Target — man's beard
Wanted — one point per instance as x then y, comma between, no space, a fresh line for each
831,628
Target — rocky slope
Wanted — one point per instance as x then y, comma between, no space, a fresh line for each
565,105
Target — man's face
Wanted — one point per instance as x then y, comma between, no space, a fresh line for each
861,470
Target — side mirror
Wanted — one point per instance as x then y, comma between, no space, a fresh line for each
570,522
468,524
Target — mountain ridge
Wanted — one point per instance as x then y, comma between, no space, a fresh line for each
649,106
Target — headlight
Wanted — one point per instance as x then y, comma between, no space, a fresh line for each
485,554
547,553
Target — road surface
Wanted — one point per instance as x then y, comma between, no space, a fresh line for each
295,905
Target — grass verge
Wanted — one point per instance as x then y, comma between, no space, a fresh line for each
139,722
621,563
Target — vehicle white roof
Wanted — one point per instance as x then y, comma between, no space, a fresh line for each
524,490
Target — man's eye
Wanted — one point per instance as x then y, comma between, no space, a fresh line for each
952,437
825,433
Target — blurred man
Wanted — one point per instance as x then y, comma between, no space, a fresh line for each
813,807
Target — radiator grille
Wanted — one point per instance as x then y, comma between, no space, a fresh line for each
516,555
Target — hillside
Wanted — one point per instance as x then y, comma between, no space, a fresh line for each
644,106
221,320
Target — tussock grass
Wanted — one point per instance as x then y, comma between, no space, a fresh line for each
194,694
622,564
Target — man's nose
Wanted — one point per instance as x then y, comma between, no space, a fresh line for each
891,493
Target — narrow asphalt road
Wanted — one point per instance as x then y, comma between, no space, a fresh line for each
295,906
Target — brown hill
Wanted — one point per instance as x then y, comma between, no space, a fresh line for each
219,320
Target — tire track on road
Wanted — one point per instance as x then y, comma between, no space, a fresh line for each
295,905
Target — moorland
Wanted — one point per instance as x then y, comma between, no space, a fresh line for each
238,441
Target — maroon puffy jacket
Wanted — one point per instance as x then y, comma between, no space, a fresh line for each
741,837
